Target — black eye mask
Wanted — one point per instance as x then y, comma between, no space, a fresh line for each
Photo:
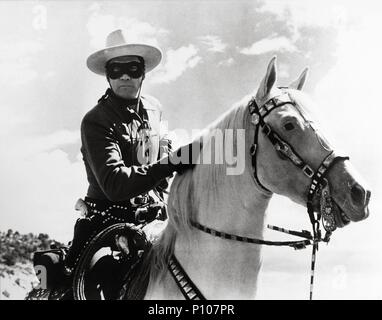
133,69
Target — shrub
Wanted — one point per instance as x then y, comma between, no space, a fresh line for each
20,248
9,259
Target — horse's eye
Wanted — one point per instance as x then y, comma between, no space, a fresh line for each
289,126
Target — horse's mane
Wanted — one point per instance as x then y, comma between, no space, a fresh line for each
187,188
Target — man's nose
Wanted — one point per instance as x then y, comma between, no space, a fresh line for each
125,76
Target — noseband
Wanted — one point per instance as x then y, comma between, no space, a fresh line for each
319,187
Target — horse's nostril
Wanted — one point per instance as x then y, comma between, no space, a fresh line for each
358,194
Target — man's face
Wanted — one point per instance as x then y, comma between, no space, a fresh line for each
125,86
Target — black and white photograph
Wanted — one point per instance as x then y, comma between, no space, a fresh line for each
190,150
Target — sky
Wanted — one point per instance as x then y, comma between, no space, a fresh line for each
214,53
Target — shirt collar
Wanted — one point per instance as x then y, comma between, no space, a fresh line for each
127,106
120,102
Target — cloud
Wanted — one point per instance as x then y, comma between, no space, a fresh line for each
49,75
15,73
177,62
352,85
214,43
9,121
348,97
308,13
298,15
268,45
19,50
40,183
16,62
226,63
100,25
283,70
49,142
39,193
139,31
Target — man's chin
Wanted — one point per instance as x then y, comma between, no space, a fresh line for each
126,92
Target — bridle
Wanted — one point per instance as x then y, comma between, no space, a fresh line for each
319,187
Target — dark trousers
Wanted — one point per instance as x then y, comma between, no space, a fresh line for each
106,276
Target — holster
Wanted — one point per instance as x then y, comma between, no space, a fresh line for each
100,214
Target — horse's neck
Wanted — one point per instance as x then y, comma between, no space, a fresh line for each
231,202
225,269
232,206
220,268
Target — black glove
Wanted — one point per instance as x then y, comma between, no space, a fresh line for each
163,185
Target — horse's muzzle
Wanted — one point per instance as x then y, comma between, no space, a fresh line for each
360,198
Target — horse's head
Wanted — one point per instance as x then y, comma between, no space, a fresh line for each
291,154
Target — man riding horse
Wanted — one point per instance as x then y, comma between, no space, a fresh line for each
127,159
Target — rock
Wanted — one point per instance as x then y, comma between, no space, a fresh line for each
18,283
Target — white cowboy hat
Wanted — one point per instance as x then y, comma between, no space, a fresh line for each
116,46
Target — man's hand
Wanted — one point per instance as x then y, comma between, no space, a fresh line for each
163,185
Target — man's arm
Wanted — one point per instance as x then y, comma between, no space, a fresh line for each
118,181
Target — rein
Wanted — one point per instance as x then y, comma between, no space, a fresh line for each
319,187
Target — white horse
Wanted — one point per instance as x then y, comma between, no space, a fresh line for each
236,204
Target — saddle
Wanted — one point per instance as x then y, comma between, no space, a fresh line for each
67,273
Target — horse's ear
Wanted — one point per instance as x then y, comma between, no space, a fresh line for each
269,80
299,83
